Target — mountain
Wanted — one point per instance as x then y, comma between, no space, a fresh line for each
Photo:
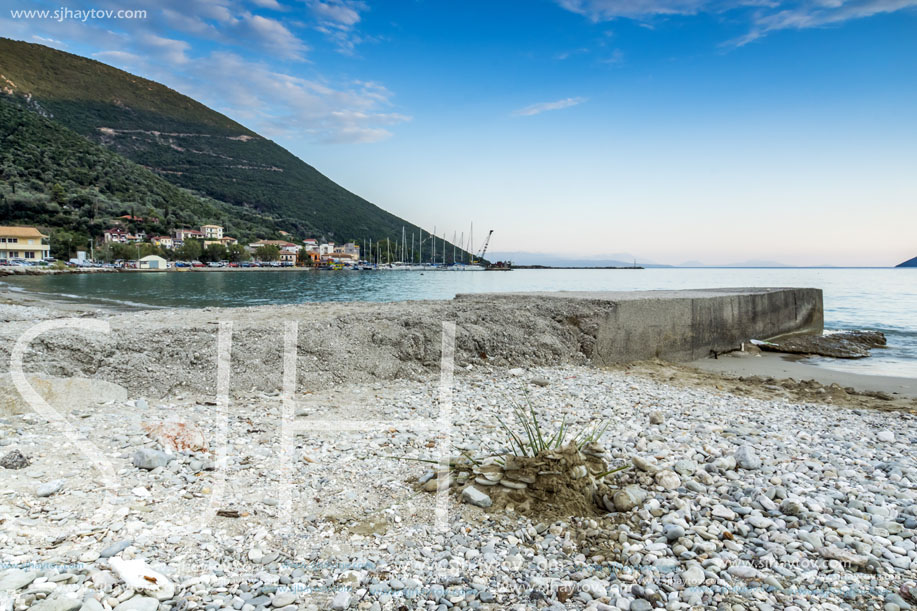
908,263
749,263
554,260
206,154
38,157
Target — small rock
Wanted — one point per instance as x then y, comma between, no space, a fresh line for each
58,603
657,418
139,603
791,508
743,571
282,599
49,488
14,460
693,576
886,436
540,382
843,555
630,497
149,459
516,371
746,458
341,601
115,548
14,579
668,479
476,497
644,464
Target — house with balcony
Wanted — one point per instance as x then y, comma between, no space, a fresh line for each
212,232
23,243
116,235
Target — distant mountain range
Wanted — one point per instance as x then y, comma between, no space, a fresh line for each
609,260
190,164
908,263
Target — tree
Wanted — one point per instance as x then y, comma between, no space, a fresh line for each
190,250
267,252
236,253
303,259
213,252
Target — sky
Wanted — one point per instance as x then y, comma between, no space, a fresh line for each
717,131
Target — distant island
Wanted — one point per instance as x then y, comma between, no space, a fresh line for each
908,263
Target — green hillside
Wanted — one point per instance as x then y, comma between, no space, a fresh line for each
187,144
52,177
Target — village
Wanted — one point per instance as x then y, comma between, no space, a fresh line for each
207,247
197,248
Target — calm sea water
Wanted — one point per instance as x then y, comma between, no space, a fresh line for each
880,299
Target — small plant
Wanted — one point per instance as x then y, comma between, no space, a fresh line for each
535,442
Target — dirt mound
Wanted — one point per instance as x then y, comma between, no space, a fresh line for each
561,483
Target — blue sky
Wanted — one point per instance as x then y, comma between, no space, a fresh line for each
675,130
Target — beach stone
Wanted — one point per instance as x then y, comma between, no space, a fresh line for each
791,508
282,599
641,605
14,460
476,497
886,436
843,555
673,532
630,497
657,418
668,479
340,601
747,458
49,488
644,464
91,604
721,511
14,579
540,382
115,548
743,572
138,603
685,467
58,603
693,575
149,459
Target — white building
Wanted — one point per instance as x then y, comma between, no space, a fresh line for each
152,262
212,232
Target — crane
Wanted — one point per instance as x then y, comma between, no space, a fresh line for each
484,248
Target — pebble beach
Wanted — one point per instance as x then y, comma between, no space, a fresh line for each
322,500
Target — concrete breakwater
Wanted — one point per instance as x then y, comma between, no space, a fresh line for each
688,325
157,351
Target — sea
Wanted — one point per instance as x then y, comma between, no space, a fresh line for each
881,299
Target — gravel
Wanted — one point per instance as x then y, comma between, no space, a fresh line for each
731,502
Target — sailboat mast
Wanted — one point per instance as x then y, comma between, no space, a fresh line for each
463,247
433,252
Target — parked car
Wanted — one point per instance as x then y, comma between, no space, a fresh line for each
197,264
5,263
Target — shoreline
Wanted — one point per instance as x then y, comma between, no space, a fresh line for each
752,370
311,489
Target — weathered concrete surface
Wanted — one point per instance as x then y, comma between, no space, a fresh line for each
159,352
687,325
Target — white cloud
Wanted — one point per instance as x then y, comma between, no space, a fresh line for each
606,10
537,109
764,15
820,14
338,20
